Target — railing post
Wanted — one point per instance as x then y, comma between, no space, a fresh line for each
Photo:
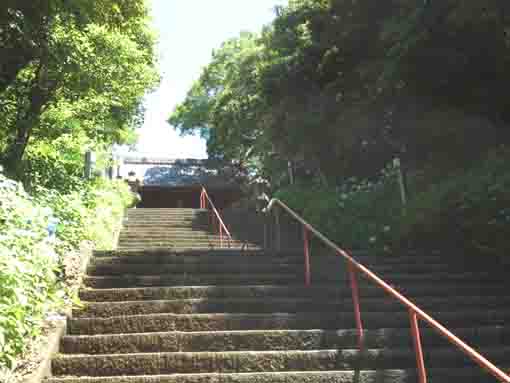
278,239
221,235
415,331
355,299
265,234
306,244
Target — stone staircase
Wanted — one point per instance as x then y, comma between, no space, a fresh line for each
177,229
192,314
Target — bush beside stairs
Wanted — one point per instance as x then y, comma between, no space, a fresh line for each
169,306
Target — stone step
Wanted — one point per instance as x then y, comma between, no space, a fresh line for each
188,244
155,269
172,248
435,375
185,279
273,291
128,324
178,212
175,231
288,305
287,255
266,340
260,361
242,258
361,257
192,237
166,225
104,268
217,254
178,243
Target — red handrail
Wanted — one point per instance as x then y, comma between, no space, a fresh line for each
415,312
205,200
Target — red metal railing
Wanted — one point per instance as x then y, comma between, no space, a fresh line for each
214,218
415,313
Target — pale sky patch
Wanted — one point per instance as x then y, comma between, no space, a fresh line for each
189,31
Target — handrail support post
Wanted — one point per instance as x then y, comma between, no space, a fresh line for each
306,245
415,331
353,278
278,233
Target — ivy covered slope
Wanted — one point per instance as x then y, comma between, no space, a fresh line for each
32,263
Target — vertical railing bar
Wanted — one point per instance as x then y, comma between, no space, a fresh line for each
306,245
278,242
221,235
355,299
415,331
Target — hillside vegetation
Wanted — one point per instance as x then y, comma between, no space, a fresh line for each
73,75
340,88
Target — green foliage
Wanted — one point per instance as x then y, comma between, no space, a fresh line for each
468,210
86,76
27,269
31,264
343,86
73,75
360,214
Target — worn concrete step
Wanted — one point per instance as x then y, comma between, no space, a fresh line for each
271,340
202,254
173,232
435,375
154,269
169,210
217,262
188,279
192,237
220,258
177,244
102,267
167,223
171,248
287,254
361,256
176,211
184,239
170,226
301,321
180,245
466,375
260,361
289,305
324,292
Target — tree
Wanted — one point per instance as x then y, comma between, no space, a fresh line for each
90,72
343,86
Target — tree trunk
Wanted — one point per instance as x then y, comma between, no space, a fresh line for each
14,153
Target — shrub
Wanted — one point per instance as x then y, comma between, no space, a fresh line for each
470,209
27,269
31,263
359,214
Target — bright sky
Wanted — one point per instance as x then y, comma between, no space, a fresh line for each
189,31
